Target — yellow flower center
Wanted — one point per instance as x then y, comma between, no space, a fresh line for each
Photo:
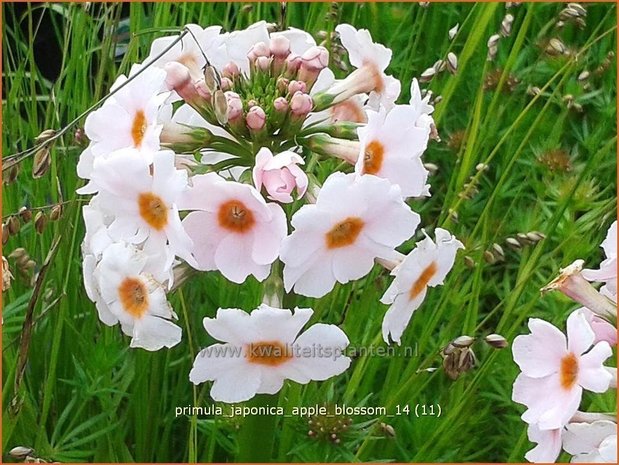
133,296
373,157
344,233
153,210
568,374
270,353
422,281
138,129
234,216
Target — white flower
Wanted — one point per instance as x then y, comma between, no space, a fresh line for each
391,148
591,442
264,348
279,174
371,60
548,444
426,266
128,119
608,268
555,371
421,106
234,47
134,298
233,229
189,51
354,221
144,205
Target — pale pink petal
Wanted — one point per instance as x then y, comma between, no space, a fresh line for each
580,336
539,354
591,374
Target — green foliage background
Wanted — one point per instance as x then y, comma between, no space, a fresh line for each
87,397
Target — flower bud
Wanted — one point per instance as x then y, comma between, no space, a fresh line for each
280,104
226,84
263,63
259,49
256,118
282,84
301,104
202,90
179,79
313,61
279,175
231,70
235,105
296,86
280,46
293,63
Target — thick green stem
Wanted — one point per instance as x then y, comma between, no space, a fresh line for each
257,435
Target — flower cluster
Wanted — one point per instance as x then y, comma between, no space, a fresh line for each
192,159
555,369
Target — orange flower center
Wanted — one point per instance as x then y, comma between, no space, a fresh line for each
271,353
153,210
422,281
373,158
234,216
344,233
133,297
568,373
138,129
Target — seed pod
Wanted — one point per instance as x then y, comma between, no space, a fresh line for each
40,221
439,66
427,75
41,162
18,253
489,257
506,25
453,214
498,250
5,233
452,63
221,107
431,167
14,225
513,243
11,174
211,79
555,47
453,31
387,430
469,262
6,275
523,239
20,452
44,136
583,76
55,213
493,41
481,167
25,214
536,236
463,341
496,341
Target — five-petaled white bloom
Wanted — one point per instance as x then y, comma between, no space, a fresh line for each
131,294
391,148
371,60
128,119
548,445
233,229
143,200
262,349
427,265
591,442
608,268
355,220
421,106
555,371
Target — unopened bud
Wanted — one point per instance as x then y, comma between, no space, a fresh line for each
256,118
387,430
301,104
282,84
260,49
296,86
263,63
496,341
280,46
489,257
234,105
231,70
280,104
315,58
293,63
453,31
498,250
226,84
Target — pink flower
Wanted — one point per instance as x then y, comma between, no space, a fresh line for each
556,370
604,331
279,175
548,444
234,230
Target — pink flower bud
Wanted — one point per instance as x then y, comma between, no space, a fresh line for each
315,58
251,103
280,104
296,86
230,70
279,175
259,49
293,63
263,63
256,118
179,79
226,84
301,104
282,84
235,105
280,46
202,90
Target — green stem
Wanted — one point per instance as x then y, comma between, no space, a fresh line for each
257,435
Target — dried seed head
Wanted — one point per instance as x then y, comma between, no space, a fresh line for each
5,233
20,452
41,162
493,41
40,221
6,275
221,106
431,167
11,174
453,214
584,76
533,90
506,25
522,237
25,214
457,360
513,243
463,341
55,213
555,47
387,430
427,75
14,225
535,236
489,257
498,250
439,66
452,62
481,167
18,253
211,79
578,7
496,341
44,136
469,262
